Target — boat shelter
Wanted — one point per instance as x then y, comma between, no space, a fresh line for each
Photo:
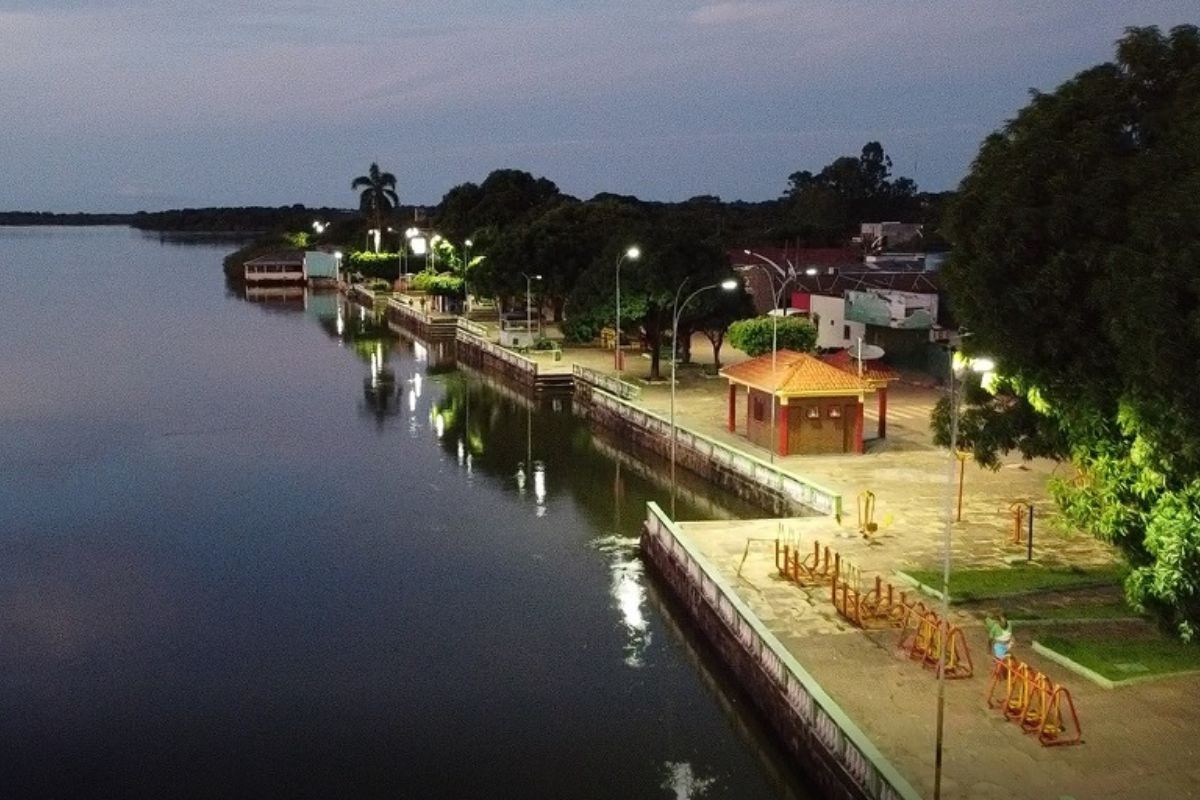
877,375
818,407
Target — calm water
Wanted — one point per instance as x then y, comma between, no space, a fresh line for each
229,568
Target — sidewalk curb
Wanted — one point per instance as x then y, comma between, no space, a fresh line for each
1095,677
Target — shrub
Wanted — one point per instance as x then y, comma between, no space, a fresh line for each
753,336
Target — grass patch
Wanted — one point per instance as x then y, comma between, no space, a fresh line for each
1121,658
1104,610
990,583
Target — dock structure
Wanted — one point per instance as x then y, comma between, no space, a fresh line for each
859,714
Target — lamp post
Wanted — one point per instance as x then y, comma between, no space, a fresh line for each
409,235
433,240
956,365
633,253
529,279
776,296
728,286
467,244
337,254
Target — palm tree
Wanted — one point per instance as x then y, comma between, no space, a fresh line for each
378,196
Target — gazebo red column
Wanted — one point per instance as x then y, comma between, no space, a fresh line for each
782,423
731,418
882,395
858,428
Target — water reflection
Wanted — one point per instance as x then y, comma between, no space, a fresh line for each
683,782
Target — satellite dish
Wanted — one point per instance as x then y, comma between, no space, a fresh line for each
870,352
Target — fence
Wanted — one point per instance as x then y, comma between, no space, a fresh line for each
615,386
747,467
473,328
807,702
516,361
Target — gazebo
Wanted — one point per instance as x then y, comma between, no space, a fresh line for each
876,375
819,407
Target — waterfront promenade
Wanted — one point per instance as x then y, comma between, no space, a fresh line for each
1136,739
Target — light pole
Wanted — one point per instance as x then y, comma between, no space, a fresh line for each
956,365
337,254
409,235
466,263
776,296
728,286
529,279
633,254
433,240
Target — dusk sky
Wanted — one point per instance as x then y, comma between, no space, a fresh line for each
120,105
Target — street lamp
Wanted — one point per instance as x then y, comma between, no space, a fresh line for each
467,245
633,254
529,279
957,364
319,226
338,255
726,285
787,277
433,240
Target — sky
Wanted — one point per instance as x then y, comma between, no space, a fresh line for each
123,105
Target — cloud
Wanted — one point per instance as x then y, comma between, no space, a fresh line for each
736,12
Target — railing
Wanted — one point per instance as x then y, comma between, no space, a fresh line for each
616,386
518,361
473,328
856,754
798,490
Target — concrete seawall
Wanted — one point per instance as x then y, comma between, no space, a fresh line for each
836,755
747,477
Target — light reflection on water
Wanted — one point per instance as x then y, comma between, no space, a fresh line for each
293,599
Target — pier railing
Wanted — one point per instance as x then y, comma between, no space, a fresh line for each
515,360
473,328
616,386
798,490
855,753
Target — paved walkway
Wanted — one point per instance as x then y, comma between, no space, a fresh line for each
1138,740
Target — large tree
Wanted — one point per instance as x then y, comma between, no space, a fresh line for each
377,196
1076,264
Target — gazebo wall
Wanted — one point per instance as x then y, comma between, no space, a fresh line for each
818,425
758,419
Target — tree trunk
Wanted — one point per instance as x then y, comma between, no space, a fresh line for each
654,340
716,338
683,348
558,303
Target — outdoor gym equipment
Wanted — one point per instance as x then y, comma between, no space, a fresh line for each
878,607
1033,701
923,634
866,514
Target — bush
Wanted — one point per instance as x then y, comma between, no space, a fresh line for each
375,265
753,336
582,329
442,284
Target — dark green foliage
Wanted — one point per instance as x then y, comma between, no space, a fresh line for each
254,219
753,336
826,207
438,283
375,265
1077,266
377,194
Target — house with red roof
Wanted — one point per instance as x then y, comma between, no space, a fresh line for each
817,407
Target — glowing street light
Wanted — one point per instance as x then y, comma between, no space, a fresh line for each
726,285
632,254
958,365
787,277
337,254
467,245
529,279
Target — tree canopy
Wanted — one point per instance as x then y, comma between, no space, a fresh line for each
754,336
378,195
1076,265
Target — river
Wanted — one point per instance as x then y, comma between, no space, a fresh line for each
232,564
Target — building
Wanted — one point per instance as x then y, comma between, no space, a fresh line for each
284,266
818,407
876,375
879,236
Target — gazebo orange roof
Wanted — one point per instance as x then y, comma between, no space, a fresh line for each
873,373
795,375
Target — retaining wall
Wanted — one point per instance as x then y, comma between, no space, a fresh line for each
485,356
748,477
836,754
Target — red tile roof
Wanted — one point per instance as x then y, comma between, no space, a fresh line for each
873,373
795,375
